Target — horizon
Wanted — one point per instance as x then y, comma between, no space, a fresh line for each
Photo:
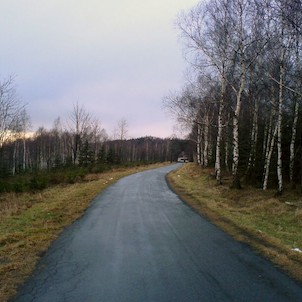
117,59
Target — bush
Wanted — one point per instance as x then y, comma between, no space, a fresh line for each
38,183
40,180
57,177
4,186
99,168
18,187
75,175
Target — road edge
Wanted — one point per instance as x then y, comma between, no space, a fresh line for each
267,250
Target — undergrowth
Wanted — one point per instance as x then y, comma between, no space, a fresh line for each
31,181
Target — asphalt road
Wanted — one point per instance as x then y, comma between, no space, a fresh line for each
139,242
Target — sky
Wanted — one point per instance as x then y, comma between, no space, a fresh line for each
117,58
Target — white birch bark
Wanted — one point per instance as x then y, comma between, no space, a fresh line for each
206,141
219,132
198,144
242,78
270,143
279,121
236,179
268,158
227,146
292,143
227,153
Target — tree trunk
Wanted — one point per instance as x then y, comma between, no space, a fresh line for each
206,142
219,132
24,154
227,146
270,149
198,144
301,163
236,178
279,122
14,158
254,137
295,121
267,128
292,144
270,143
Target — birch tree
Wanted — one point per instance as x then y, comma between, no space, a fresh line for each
248,44
251,49
287,29
206,32
270,142
295,19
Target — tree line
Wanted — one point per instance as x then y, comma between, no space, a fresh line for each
242,100
55,149
79,143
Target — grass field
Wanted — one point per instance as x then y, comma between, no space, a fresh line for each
30,222
271,225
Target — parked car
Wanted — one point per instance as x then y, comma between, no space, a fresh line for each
182,160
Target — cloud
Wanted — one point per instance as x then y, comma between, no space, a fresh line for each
118,58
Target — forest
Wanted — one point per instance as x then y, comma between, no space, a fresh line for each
72,148
242,97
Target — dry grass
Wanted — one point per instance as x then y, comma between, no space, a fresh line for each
30,222
271,225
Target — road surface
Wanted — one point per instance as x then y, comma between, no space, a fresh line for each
138,242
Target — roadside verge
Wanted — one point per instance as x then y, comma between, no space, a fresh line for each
271,226
30,222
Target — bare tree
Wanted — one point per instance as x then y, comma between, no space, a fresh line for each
10,109
120,135
25,125
78,127
121,131
193,109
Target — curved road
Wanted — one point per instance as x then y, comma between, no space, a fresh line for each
139,242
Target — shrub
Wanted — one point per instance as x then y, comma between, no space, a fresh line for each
4,186
38,182
99,168
18,187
